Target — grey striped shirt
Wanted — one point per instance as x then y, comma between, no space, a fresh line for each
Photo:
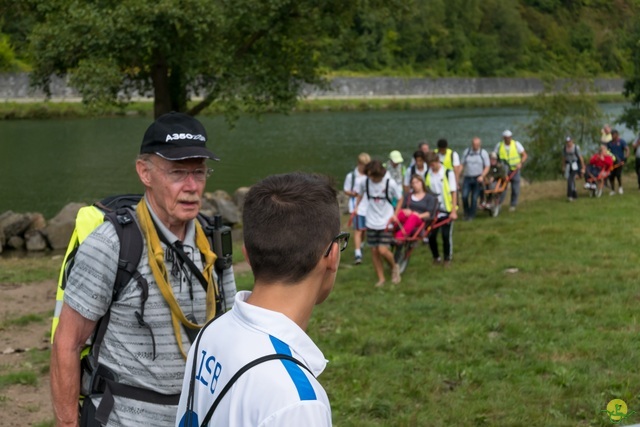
127,347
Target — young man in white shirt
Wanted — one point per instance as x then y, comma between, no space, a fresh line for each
442,182
292,241
380,190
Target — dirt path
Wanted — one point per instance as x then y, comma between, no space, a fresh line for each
23,348
25,405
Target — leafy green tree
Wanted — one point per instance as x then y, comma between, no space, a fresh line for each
246,55
558,112
631,115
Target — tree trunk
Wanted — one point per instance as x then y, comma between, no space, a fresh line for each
178,90
161,87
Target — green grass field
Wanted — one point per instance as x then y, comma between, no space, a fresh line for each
549,345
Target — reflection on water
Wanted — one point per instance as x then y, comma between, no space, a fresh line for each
46,164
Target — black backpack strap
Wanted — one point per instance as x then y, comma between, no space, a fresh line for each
386,191
131,243
241,371
366,184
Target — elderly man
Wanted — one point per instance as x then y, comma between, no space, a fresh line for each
138,376
475,161
512,154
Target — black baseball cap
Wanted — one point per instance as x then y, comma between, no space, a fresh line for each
176,136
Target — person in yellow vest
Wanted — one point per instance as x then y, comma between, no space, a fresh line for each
513,154
442,182
137,378
449,158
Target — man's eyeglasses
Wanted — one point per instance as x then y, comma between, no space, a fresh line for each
341,239
179,175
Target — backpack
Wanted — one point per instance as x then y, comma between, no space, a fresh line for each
468,151
119,211
386,192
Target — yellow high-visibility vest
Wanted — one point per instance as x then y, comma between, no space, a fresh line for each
448,201
513,158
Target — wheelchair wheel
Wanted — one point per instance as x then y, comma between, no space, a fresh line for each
401,256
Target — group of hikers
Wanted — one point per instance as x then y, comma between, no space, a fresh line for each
389,201
604,167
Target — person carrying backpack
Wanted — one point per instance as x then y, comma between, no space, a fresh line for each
475,161
132,375
379,190
441,182
256,365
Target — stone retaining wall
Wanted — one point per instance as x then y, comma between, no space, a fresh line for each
16,87
32,232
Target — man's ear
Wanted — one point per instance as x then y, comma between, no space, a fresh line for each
332,261
246,256
144,172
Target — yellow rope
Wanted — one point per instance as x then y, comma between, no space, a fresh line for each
156,261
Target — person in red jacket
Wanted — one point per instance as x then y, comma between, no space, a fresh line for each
600,166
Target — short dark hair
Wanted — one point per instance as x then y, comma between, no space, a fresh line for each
442,143
288,223
375,169
418,155
422,144
431,157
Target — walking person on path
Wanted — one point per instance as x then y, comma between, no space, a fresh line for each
475,161
511,153
573,165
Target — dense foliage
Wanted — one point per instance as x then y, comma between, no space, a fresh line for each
242,54
560,112
569,38
254,54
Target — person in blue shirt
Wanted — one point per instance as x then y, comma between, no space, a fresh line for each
620,150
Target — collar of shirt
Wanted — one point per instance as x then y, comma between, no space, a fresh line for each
280,326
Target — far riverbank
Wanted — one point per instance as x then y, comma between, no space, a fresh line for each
27,108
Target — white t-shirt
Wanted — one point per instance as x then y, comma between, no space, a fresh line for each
407,175
357,183
274,393
436,185
379,210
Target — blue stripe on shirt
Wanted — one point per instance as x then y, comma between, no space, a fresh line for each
300,380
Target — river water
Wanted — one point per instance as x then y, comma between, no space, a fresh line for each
45,164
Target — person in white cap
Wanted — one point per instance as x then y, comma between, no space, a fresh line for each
395,167
511,153
573,166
